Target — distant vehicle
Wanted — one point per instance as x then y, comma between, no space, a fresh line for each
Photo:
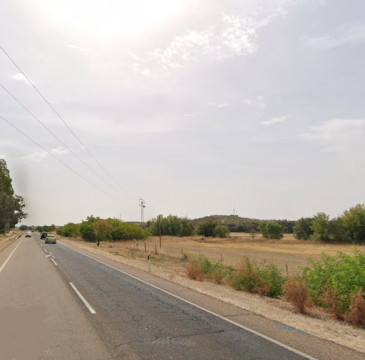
50,239
28,234
43,235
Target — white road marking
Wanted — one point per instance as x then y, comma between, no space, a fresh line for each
83,299
201,308
6,261
54,261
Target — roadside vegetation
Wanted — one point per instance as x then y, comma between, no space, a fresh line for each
11,205
94,229
334,283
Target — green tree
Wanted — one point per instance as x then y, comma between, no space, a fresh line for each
11,205
126,231
103,230
170,226
320,227
271,230
221,231
336,230
354,224
186,227
205,228
87,228
69,230
303,228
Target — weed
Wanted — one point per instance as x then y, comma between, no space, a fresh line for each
296,292
217,272
357,310
194,271
200,267
333,301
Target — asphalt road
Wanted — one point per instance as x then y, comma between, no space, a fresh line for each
56,303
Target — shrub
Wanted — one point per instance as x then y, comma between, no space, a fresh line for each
296,292
334,302
217,272
332,280
200,267
194,271
357,310
264,279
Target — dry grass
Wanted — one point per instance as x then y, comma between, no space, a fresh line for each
357,310
194,271
332,301
296,292
288,253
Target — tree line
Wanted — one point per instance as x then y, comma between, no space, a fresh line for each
96,229
11,205
347,228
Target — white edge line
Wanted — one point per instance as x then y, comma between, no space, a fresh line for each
83,299
201,308
54,261
6,261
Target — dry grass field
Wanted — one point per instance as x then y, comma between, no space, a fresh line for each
288,253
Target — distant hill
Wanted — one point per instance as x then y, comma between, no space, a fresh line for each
236,223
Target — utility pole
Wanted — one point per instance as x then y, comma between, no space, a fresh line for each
142,205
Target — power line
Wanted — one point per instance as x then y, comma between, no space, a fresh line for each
61,118
50,131
59,160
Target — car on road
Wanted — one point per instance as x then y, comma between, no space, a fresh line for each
28,234
50,239
43,235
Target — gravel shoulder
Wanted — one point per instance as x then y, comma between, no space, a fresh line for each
317,323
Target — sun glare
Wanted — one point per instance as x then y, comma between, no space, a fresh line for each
110,18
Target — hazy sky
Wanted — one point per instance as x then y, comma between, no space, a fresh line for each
200,107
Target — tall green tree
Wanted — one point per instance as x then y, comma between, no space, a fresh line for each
11,205
271,230
320,227
353,221
170,226
303,228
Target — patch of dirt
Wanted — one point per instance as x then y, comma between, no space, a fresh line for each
172,267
